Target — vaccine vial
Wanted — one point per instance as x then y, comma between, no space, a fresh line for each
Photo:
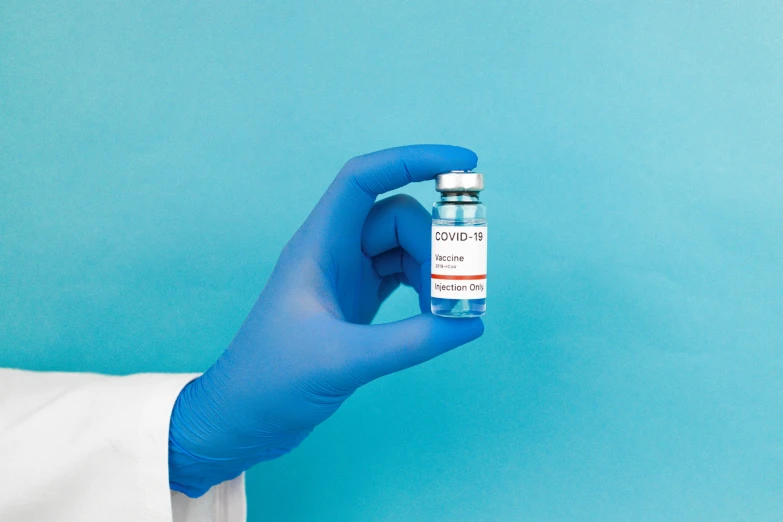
459,246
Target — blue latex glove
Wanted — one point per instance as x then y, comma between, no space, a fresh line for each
307,344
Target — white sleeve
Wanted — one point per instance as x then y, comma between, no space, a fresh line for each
86,447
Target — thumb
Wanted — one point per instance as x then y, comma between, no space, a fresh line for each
392,347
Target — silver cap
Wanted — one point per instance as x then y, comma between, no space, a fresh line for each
459,181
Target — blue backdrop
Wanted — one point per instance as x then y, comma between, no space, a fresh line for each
155,157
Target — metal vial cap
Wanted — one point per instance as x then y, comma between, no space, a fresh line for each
459,181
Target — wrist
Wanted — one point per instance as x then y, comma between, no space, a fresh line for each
191,440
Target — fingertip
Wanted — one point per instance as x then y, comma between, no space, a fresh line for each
456,157
458,331
467,156
477,324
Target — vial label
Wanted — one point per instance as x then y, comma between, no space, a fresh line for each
459,262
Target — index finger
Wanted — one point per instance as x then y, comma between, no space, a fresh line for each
390,169
349,198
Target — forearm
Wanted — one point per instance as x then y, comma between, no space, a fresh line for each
77,446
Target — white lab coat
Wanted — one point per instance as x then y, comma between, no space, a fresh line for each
89,448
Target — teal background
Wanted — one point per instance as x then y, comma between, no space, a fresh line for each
155,157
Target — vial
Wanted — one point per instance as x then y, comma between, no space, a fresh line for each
459,246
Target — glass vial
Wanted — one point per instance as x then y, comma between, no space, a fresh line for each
459,246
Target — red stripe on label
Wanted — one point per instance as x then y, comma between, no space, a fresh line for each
459,278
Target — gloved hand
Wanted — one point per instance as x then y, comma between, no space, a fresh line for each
307,344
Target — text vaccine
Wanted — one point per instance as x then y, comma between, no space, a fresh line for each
459,246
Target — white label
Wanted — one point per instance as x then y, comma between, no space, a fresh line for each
459,262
